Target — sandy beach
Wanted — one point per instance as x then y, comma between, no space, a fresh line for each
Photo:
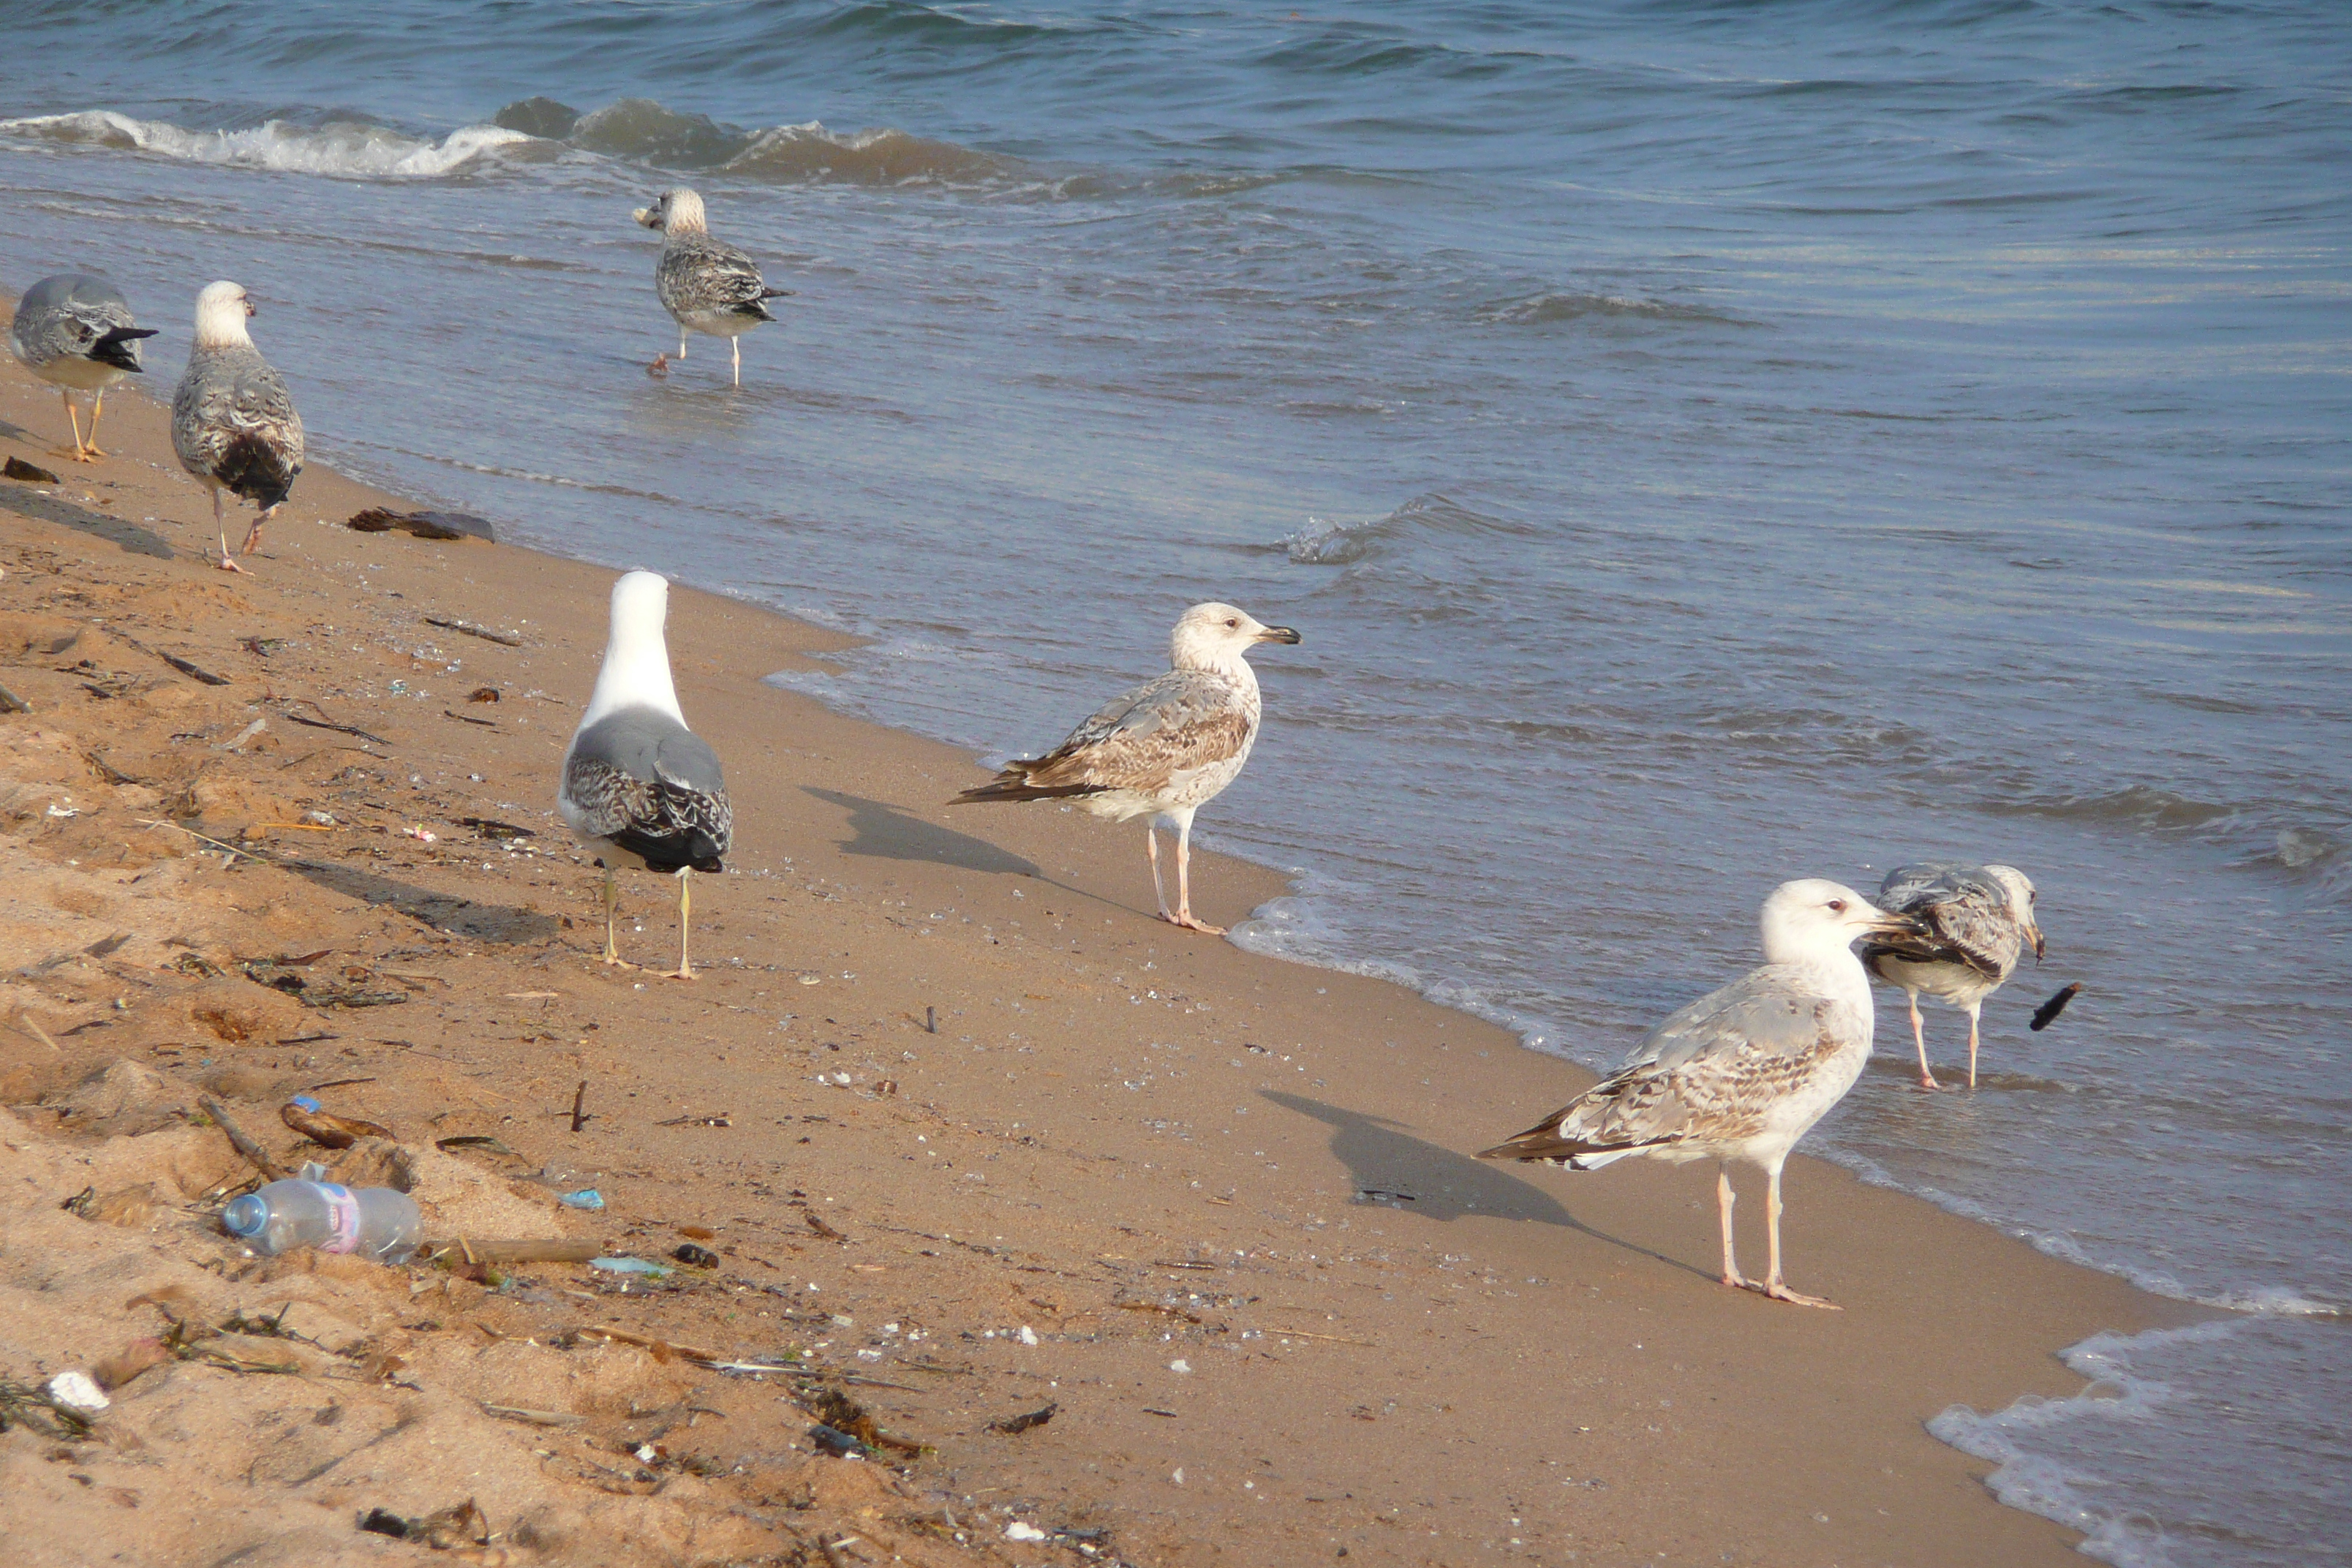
970,1133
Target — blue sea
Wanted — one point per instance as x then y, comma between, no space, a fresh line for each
1702,444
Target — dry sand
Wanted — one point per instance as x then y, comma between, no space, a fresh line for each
1125,1177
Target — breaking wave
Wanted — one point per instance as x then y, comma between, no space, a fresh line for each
347,149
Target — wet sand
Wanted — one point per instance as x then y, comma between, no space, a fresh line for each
1282,1313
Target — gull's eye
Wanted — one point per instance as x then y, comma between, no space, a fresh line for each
1837,906
1235,625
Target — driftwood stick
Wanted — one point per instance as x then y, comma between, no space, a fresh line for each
242,1141
579,1100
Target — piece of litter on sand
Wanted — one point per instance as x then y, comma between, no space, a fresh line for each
303,1115
629,1266
530,1418
586,1198
78,1392
699,1256
1017,1530
1179,1365
1026,1335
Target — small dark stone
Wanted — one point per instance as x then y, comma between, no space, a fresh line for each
383,1521
699,1257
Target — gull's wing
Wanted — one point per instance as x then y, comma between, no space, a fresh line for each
1709,1072
698,273
650,786
1968,914
1184,721
233,418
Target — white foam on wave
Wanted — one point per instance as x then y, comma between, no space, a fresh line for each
344,150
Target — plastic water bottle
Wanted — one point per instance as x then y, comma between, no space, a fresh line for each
304,1211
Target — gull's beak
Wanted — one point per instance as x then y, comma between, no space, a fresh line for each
1885,922
649,216
1276,634
2033,934
249,310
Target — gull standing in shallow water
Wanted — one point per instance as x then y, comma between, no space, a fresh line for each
1977,919
76,333
233,421
1164,749
1742,1073
706,286
635,778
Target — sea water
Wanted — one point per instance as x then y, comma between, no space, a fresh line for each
1702,444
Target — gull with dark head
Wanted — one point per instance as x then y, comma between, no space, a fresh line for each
1742,1073
75,332
635,779
1163,750
1978,919
233,421
706,286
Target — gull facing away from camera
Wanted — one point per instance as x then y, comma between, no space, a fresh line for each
75,332
1163,750
1977,919
706,286
233,421
635,779
1742,1073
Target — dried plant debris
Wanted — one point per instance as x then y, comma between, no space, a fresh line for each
1016,1424
2047,1014
30,1407
844,1425
422,524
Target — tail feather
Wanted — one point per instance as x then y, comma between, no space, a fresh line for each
1551,1140
257,470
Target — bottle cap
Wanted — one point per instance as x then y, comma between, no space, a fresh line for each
244,1216
307,1102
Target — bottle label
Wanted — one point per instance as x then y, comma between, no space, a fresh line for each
342,1218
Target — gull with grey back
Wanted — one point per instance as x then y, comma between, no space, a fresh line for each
76,333
636,781
706,285
233,420
1743,1072
1163,750
1977,921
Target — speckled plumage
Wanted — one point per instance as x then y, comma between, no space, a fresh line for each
234,423
1977,922
706,285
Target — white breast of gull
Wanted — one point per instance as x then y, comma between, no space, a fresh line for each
1163,749
636,781
1979,920
706,285
233,420
76,333
1743,1072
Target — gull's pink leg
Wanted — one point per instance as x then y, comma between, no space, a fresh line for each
1972,1043
1159,893
1185,886
1773,1287
1919,1038
1725,1198
227,562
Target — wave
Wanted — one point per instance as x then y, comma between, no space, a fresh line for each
348,149
1550,309
1322,543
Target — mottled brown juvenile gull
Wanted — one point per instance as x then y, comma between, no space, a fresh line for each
1978,919
706,286
1742,1073
233,421
75,332
635,779
1163,749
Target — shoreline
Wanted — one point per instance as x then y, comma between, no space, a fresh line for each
1145,1112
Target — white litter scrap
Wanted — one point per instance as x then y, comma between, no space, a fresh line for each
1017,1530
79,1392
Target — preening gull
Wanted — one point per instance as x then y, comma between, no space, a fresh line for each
233,421
1742,1073
75,332
1163,749
706,286
1978,919
635,778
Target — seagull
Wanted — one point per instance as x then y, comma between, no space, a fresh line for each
635,778
75,332
706,286
233,421
1742,1073
1977,919
1164,749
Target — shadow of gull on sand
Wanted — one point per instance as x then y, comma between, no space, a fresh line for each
1392,1169
501,923
889,833
24,500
